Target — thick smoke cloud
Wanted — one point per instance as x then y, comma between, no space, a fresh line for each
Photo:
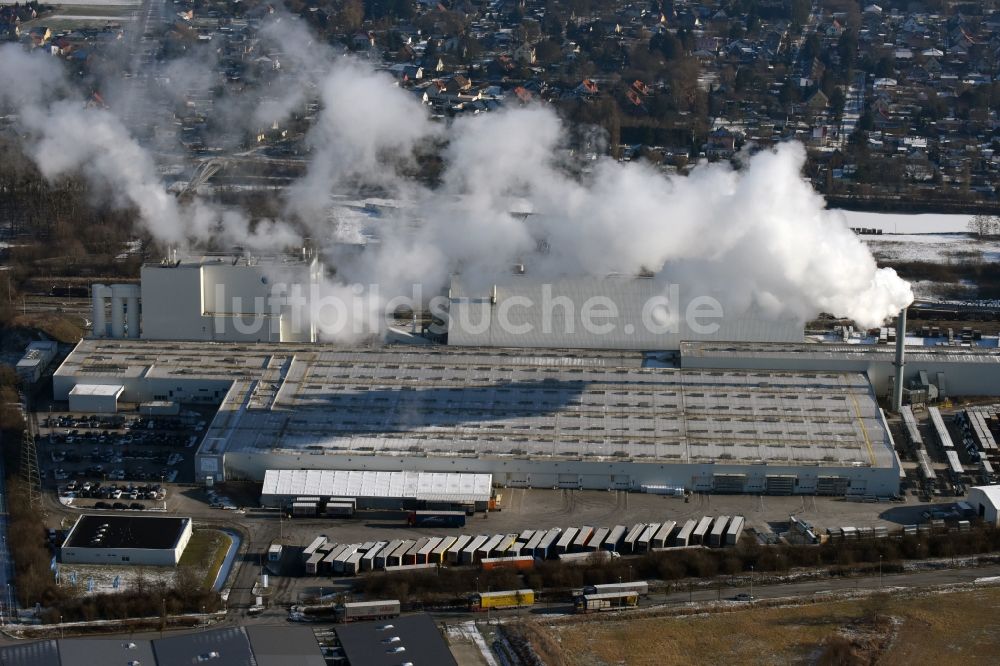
757,237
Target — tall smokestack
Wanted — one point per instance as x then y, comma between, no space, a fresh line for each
900,363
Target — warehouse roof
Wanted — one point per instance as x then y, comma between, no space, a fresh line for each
850,352
507,403
106,531
428,486
36,653
284,646
218,647
233,646
231,259
104,651
992,493
378,643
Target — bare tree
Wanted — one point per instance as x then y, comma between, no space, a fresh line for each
983,225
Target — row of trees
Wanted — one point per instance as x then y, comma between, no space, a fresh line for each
452,586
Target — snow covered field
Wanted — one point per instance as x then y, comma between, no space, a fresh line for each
931,238
935,248
901,223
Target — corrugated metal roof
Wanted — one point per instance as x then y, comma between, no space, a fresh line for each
218,647
992,493
36,653
365,642
104,651
429,486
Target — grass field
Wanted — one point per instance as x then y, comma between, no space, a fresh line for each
205,553
58,327
950,628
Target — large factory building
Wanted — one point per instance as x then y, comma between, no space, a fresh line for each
246,298
531,418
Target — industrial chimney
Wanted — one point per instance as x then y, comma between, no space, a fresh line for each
900,363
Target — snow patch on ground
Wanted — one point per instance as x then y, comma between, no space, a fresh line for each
468,631
103,576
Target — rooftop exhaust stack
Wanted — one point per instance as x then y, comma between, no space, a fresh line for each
900,363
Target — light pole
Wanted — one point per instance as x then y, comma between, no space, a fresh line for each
880,570
751,582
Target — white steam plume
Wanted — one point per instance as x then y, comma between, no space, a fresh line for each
65,136
755,238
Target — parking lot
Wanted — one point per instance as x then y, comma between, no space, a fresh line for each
116,461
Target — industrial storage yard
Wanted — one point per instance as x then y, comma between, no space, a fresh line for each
489,334
354,484
359,484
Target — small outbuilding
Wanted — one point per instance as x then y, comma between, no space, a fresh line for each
986,502
95,398
141,540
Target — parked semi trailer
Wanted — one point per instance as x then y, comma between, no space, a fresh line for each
368,610
640,587
436,519
504,599
519,562
403,568
587,558
607,601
